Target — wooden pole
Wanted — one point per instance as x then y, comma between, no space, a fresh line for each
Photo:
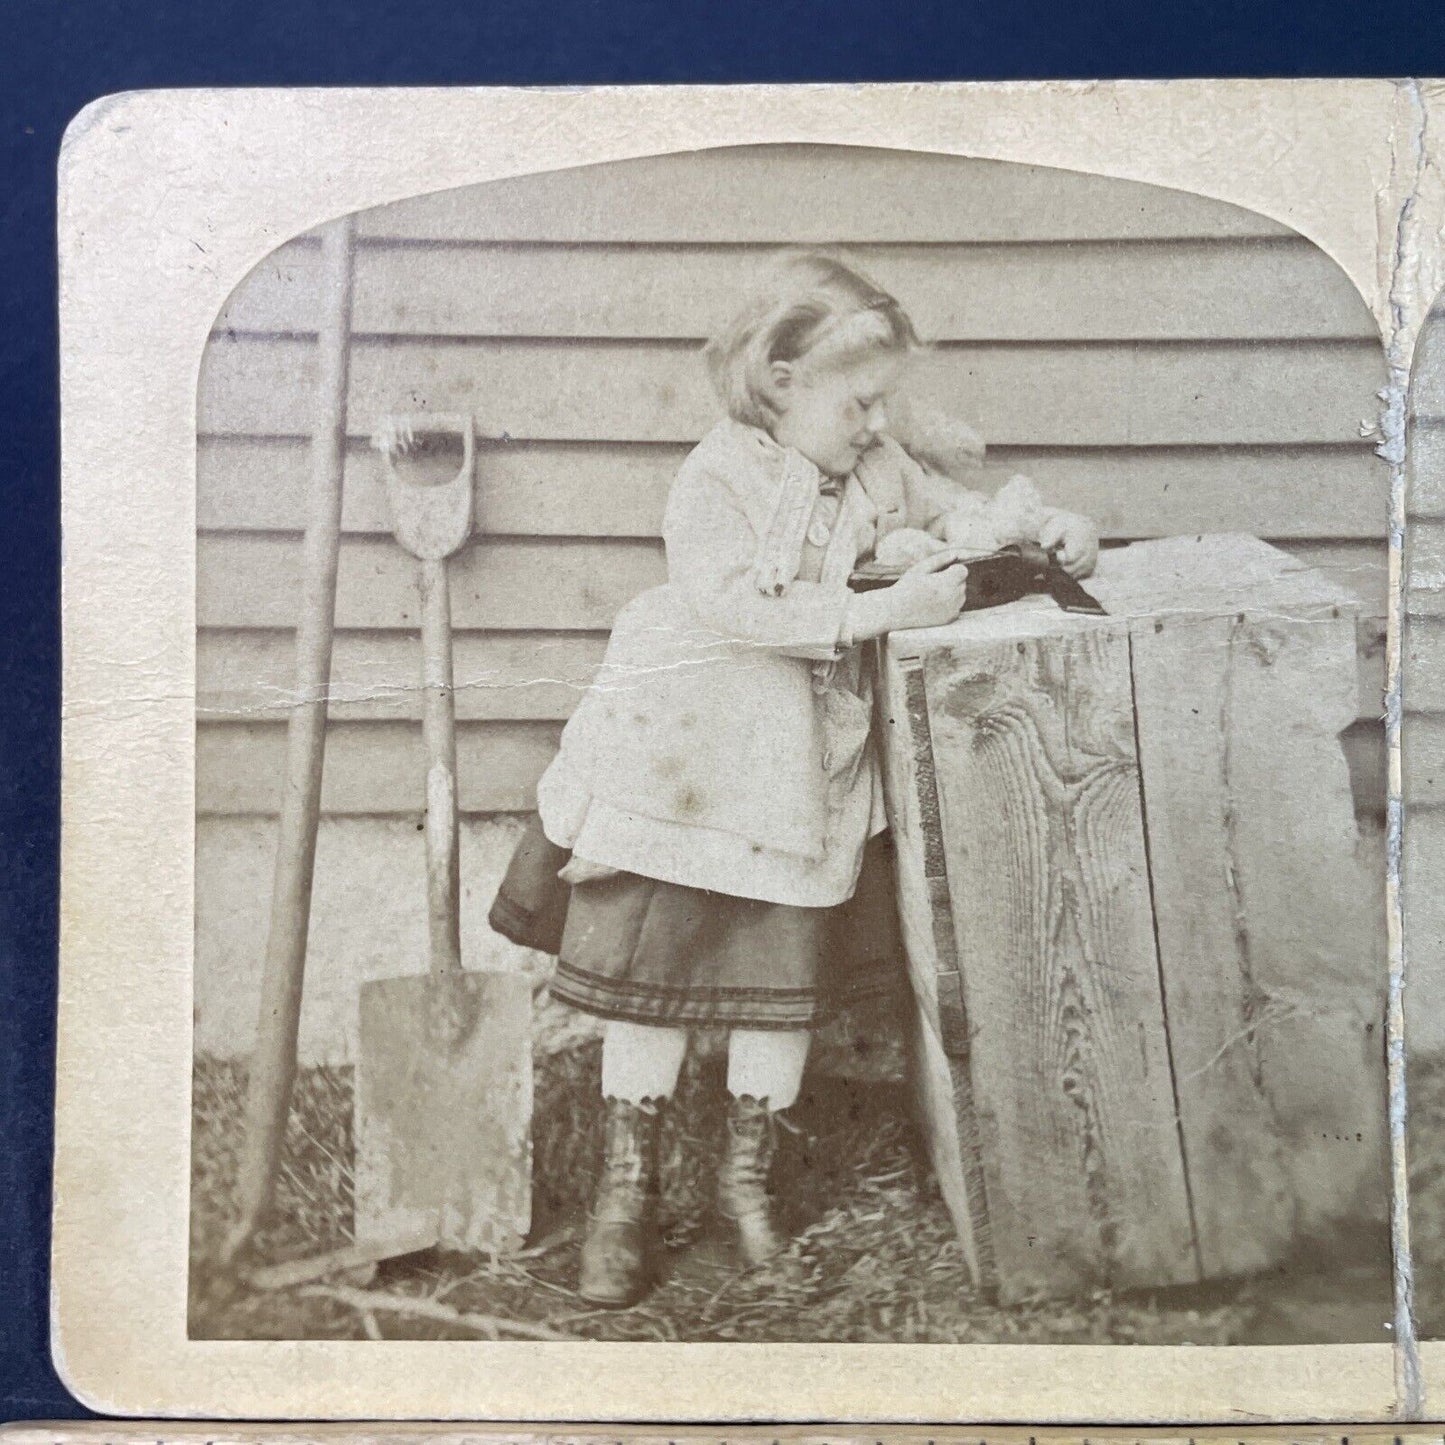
273,1064
443,860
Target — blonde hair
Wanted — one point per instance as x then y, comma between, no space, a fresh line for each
808,304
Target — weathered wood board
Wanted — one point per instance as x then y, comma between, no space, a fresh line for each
1222,393
619,489
1014,291
1148,959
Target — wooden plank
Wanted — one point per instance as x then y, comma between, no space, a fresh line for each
1361,568
940,1066
1423,665
239,761
252,580
1046,868
1425,468
372,768
620,489
1422,743
1105,394
1424,574
523,488
1089,291
800,194
532,584
248,675
1427,370
1233,1000
1423,866
1310,911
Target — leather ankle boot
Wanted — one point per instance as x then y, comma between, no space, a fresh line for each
743,1197
619,1254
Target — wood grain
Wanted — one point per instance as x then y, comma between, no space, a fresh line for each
1038,782
1066,394
1271,933
619,489
1088,291
943,1046
500,762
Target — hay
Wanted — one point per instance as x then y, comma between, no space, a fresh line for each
875,1257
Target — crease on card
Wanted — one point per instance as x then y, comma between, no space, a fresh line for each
1409,213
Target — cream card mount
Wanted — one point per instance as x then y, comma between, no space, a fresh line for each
1188,311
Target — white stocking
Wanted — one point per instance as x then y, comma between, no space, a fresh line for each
640,1062
767,1064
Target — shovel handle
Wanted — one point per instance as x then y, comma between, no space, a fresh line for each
443,856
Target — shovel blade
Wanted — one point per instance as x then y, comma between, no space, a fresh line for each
444,1112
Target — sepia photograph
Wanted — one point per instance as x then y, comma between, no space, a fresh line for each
790,747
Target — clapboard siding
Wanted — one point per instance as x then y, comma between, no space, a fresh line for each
1065,394
1082,291
516,585
534,584
1425,567
619,489
248,673
1425,490
372,767
1163,362
380,768
1422,729
811,195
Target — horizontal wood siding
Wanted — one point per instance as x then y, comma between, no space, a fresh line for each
1017,394
618,489
1161,361
1279,287
1423,693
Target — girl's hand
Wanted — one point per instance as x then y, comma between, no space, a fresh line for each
1074,539
393,437
930,593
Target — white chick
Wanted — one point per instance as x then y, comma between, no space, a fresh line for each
1016,511
970,528
905,547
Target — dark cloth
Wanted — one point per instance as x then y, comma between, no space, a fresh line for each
658,953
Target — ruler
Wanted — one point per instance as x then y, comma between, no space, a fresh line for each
218,1432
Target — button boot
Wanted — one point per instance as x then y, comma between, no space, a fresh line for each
744,1199
619,1255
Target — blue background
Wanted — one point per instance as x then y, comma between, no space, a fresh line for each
56,55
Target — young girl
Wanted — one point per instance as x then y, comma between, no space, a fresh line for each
710,847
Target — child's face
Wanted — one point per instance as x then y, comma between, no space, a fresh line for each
834,415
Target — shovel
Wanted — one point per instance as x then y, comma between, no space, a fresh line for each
444,1071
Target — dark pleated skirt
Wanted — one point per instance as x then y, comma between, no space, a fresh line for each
658,953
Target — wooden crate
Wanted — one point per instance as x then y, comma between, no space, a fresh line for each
1147,950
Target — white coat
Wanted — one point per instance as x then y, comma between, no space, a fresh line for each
713,708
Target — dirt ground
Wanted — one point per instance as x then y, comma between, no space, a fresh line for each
875,1257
